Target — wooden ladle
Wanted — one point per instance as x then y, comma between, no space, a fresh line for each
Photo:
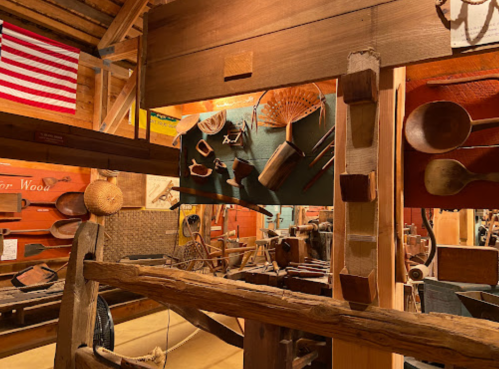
446,177
184,126
442,126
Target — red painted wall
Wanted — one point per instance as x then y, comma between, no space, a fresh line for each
35,217
246,220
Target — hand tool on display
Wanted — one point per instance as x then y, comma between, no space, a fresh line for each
184,126
33,249
223,198
446,177
10,219
71,204
51,181
14,175
39,275
213,124
63,229
199,172
316,261
10,202
455,81
319,174
442,126
324,138
321,154
242,168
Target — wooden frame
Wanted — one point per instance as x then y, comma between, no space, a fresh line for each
33,139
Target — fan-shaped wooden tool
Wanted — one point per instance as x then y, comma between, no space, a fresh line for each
214,124
289,106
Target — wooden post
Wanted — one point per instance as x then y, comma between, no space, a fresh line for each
79,301
349,355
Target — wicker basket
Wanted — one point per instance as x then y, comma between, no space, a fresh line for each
103,198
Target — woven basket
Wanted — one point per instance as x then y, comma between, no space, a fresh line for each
103,198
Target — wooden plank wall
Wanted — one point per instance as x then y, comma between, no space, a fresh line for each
36,217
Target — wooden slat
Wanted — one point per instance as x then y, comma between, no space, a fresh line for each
123,22
402,31
86,10
454,339
64,16
120,51
121,106
185,23
82,147
50,23
101,97
91,61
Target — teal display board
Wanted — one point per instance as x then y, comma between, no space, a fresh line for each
258,148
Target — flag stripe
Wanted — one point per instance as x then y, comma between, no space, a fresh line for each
43,99
37,104
37,71
41,50
17,51
35,86
46,40
71,86
22,63
25,91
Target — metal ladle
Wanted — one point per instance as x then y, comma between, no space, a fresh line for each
442,126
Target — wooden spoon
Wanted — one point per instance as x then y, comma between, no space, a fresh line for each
446,177
442,126
185,125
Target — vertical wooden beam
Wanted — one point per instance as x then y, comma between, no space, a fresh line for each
123,22
138,73
101,96
77,314
121,106
348,355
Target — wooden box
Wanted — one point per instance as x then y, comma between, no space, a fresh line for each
468,264
291,249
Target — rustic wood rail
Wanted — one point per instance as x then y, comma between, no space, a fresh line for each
442,338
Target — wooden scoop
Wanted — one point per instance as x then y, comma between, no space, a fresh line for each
442,126
446,177
63,229
71,204
185,125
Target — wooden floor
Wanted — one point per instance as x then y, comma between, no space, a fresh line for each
137,337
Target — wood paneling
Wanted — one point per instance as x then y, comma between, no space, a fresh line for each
185,23
402,31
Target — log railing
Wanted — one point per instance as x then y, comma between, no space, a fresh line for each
442,338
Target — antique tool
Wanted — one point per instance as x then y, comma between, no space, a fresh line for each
199,172
234,137
322,153
324,138
185,125
455,81
214,124
242,168
165,194
14,175
10,202
9,219
33,249
288,106
103,198
220,166
204,148
445,177
71,204
223,198
442,126
39,274
63,229
319,174
280,165
305,274
51,181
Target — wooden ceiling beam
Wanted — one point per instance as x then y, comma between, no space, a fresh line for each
454,340
47,22
86,10
31,139
121,106
124,21
124,50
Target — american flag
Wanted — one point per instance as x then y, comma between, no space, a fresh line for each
37,71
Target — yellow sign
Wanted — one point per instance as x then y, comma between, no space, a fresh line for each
160,123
